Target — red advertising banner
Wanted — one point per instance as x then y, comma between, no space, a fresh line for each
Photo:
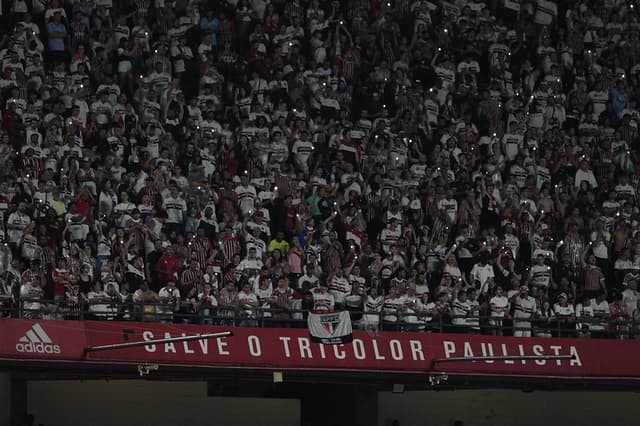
28,339
285,349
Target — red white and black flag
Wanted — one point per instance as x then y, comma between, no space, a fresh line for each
354,234
330,328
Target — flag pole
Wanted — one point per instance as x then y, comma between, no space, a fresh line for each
126,345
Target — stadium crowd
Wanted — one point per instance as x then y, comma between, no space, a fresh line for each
412,160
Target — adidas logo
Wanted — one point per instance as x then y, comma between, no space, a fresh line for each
37,341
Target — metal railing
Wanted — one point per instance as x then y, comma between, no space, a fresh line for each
239,316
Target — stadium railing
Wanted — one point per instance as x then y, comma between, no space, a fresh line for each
243,316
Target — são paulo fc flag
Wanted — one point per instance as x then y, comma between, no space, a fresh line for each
330,328
354,234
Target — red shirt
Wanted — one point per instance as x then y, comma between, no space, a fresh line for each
83,206
507,255
290,224
59,283
9,120
167,266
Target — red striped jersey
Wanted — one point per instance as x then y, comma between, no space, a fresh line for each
293,9
230,247
592,277
373,206
79,34
73,265
133,229
331,259
202,247
190,277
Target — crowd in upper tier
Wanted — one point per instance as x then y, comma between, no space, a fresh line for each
415,159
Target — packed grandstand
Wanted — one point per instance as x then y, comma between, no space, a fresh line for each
426,165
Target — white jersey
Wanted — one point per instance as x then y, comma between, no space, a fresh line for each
563,311
30,249
450,206
499,306
513,243
168,293
388,237
461,311
390,307
15,224
339,287
323,301
30,291
585,312
524,308
176,209
600,310
302,151
373,305
546,12
540,276
247,196
630,297
264,297
482,274
512,144
255,243
248,301
123,209
473,319
250,267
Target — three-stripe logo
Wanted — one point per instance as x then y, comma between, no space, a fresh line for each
36,340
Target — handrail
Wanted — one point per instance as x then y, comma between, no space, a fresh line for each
263,317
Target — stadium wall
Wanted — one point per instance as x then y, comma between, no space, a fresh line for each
140,402
98,402
5,399
501,407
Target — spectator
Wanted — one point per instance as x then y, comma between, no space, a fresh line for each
146,301
57,34
7,299
282,296
500,306
371,140
339,287
564,312
619,315
31,293
544,316
524,312
228,302
206,304
103,304
392,308
248,302
373,307
630,296
169,297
